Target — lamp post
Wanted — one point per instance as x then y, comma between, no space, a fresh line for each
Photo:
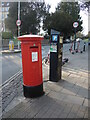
75,25
18,25
75,40
2,27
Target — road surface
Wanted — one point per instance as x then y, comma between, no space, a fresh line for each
12,63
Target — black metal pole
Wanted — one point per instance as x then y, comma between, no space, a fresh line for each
75,40
18,26
84,46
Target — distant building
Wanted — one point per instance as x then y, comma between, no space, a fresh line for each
5,11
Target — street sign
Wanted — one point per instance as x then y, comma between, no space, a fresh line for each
18,22
75,24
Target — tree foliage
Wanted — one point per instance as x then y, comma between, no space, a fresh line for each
88,35
31,15
85,5
62,20
79,35
7,35
10,21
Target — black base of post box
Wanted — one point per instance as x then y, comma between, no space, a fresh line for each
33,91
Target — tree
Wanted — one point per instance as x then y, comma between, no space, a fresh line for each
79,35
85,5
31,15
30,22
10,22
62,20
88,35
55,22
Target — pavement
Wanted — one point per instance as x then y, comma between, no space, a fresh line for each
9,51
67,98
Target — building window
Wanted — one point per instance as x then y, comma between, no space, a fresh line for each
2,16
7,9
2,9
2,4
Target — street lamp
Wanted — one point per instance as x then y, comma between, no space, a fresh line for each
75,25
18,25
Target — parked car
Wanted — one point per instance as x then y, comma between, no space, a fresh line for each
67,41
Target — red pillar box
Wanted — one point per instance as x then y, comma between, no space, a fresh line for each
32,65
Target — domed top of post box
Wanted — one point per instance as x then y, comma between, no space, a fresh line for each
30,38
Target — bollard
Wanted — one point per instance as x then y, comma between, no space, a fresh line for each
11,45
84,46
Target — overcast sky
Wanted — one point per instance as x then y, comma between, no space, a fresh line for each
84,16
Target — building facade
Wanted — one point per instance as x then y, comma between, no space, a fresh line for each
4,11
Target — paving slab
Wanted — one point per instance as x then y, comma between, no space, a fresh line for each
83,92
73,111
57,96
86,103
74,99
68,92
54,87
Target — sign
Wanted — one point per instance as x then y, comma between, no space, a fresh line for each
18,22
61,40
75,24
34,56
53,48
54,38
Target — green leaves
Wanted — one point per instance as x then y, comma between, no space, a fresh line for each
31,14
62,20
7,35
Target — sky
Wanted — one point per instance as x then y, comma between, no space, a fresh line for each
83,14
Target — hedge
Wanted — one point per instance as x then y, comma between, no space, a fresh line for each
7,35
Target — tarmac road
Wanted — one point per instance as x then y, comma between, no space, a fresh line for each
12,63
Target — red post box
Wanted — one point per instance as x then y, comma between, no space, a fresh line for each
32,65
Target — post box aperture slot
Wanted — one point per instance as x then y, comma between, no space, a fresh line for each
33,47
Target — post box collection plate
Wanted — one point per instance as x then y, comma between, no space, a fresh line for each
34,56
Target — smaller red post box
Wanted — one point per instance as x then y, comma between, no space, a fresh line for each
32,65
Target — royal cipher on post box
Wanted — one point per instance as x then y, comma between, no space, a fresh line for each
32,65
